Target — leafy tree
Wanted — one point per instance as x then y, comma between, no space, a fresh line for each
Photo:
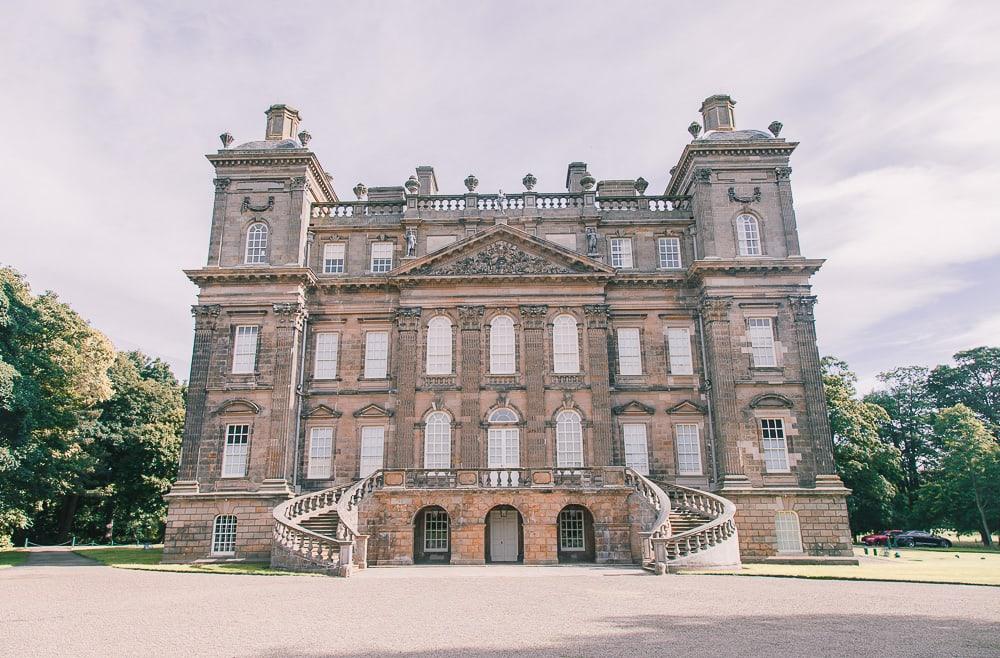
974,381
868,466
963,490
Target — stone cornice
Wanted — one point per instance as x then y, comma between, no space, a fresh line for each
289,274
701,268
270,158
705,148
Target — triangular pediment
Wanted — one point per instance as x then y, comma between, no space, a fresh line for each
686,407
503,251
373,411
322,411
633,407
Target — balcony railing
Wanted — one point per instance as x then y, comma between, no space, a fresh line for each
504,478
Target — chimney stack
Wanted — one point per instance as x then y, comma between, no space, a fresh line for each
574,173
282,122
428,181
717,113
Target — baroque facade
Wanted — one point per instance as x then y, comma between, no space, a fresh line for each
594,374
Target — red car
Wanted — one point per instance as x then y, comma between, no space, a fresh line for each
879,538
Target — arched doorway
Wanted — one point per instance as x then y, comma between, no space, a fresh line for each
575,534
432,536
504,535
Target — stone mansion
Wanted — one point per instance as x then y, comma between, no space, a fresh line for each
590,374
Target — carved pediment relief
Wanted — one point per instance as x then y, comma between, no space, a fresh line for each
238,406
770,401
373,411
322,411
500,257
633,407
686,407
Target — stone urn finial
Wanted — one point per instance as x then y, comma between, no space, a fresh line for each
226,138
640,185
694,129
471,182
412,185
529,181
587,181
360,190
775,127
304,138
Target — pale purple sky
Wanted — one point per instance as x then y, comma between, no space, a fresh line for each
111,106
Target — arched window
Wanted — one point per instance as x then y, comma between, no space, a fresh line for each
786,527
565,346
224,535
437,441
256,244
748,234
439,346
569,440
504,440
502,345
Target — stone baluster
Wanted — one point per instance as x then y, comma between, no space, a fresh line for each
533,322
206,318
605,453
819,437
470,454
288,322
408,329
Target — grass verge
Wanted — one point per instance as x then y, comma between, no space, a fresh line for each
149,560
12,558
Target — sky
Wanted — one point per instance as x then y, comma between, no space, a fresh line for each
111,107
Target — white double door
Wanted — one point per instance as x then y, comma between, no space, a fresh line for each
503,535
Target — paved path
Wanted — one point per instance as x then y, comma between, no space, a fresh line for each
50,610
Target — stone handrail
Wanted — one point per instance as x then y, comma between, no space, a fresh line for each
300,543
658,529
646,203
720,527
501,478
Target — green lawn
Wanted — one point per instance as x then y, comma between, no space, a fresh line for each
12,558
149,560
913,564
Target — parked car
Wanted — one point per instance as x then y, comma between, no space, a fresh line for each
879,538
921,538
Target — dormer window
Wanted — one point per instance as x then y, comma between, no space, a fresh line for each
748,235
256,244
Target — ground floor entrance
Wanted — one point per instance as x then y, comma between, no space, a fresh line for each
504,530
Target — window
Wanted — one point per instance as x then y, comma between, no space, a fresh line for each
786,529
234,456
621,252
439,346
372,446
762,342
224,535
772,432
437,441
327,349
435,242
688,449
571,530
320,453
565,345
503,440
502,345
629,358
256,244
381,256
566,240
569,440
435,531
679,351
376,354
669,252
333,257
636,453
245,349
748,235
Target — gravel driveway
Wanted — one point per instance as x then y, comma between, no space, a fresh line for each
65,606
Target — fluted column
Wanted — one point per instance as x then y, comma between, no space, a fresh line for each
788,223
817,418
722,389
408,328
533,322
206,318
605,452
704,213
470,453
288,322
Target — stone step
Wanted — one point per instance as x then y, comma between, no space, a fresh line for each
323,524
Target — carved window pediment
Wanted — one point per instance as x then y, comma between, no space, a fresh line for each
633,407
238,406
770,401
322,411
373,411
686,407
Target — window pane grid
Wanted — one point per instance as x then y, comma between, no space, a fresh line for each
786,526
688,450
669,250
381,257
245,350
372,444
565,345
256,244
333,258
679,350
569,440
629,358
439,346
749,235
320,452
502,346
327,350
504,450
224,535
437,441
636,454
234,456
762,342
621,252
435,531
571,530
376,354
774,443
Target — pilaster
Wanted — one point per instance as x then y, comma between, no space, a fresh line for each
704,213
596,315
470,454
788,223
533,322
289,319
408,325
206,319
820,443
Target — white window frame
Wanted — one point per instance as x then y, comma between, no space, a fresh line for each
679,353
572,526
636,447
439,348
258,234
436,531
437,440
224,535
327,355
334,258
245,339
687,438
377,354
565,345
569,439
629,341
503,439
762,352
371,453
320,453
787,532
236,450
748,235
774,445
503,346
381,257
668,251
621,253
